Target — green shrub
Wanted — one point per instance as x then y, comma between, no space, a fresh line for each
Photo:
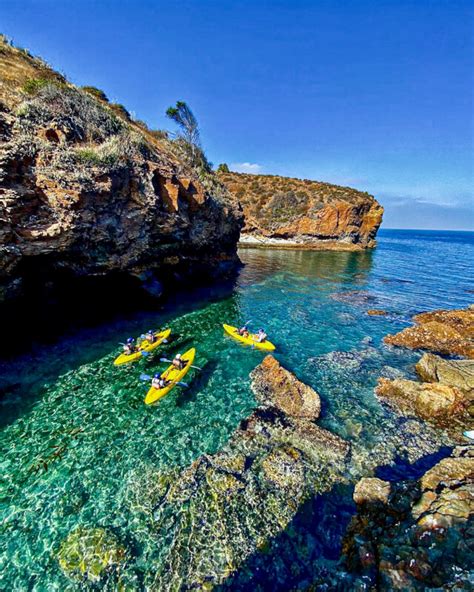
96,92
223,168
33,85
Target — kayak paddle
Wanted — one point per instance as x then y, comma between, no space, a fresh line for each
148,377
171,361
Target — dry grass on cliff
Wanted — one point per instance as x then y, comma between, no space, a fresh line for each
275,200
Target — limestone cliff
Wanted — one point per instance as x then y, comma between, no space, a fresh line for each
84,190
280,211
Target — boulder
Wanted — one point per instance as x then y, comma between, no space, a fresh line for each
432,401
275,386
90,554
419,537
457,373
449,332
371,490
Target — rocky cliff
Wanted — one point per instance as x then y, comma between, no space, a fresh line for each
84,190
280,211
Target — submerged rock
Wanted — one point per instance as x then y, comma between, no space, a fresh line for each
228,506
415,535
90,553
375,312
449,332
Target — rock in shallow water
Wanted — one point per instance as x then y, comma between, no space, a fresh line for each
420,536
90,553
277,387
228,506
449,332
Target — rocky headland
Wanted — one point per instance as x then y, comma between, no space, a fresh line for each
87,191
283,212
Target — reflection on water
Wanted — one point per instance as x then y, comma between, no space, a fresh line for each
77,437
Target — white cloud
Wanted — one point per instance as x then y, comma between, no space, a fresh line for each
246,167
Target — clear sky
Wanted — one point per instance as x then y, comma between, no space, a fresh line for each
374,94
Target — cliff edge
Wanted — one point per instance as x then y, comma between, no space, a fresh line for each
87,191
285,212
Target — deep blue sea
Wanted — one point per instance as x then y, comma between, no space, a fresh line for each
76,436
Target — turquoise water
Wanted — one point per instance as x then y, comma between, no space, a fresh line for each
77,440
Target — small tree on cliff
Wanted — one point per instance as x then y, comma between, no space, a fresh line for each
223,168
188,140
187,123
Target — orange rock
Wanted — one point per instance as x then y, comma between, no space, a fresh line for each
449,332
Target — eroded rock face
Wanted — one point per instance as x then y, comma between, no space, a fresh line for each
430,401
227,506
449,332
275,386
86,191
421,536
280,211
457,373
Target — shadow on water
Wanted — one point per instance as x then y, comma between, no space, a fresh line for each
200,380
79,335
401,468
308,553
312,538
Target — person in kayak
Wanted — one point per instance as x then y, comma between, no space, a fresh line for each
159,382
150,336
178,362
261,335
243,331
129,347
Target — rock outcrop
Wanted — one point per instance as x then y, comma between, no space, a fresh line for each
86,191
457,373
415,535
285,212
431,401
228,506
449,332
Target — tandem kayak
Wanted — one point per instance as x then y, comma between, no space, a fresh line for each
144,346
250,340
173,375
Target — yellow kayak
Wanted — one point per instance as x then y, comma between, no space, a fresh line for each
172,374
250,340
144,346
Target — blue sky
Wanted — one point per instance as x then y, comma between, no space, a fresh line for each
377,95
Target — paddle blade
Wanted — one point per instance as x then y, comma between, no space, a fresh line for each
165,360
145,377
144,353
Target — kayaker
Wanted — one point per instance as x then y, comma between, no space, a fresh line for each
150,336
178,362
261,336
243,331
158,382
129,347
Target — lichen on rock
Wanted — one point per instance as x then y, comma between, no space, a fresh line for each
449,332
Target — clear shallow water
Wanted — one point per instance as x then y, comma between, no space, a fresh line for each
77,441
